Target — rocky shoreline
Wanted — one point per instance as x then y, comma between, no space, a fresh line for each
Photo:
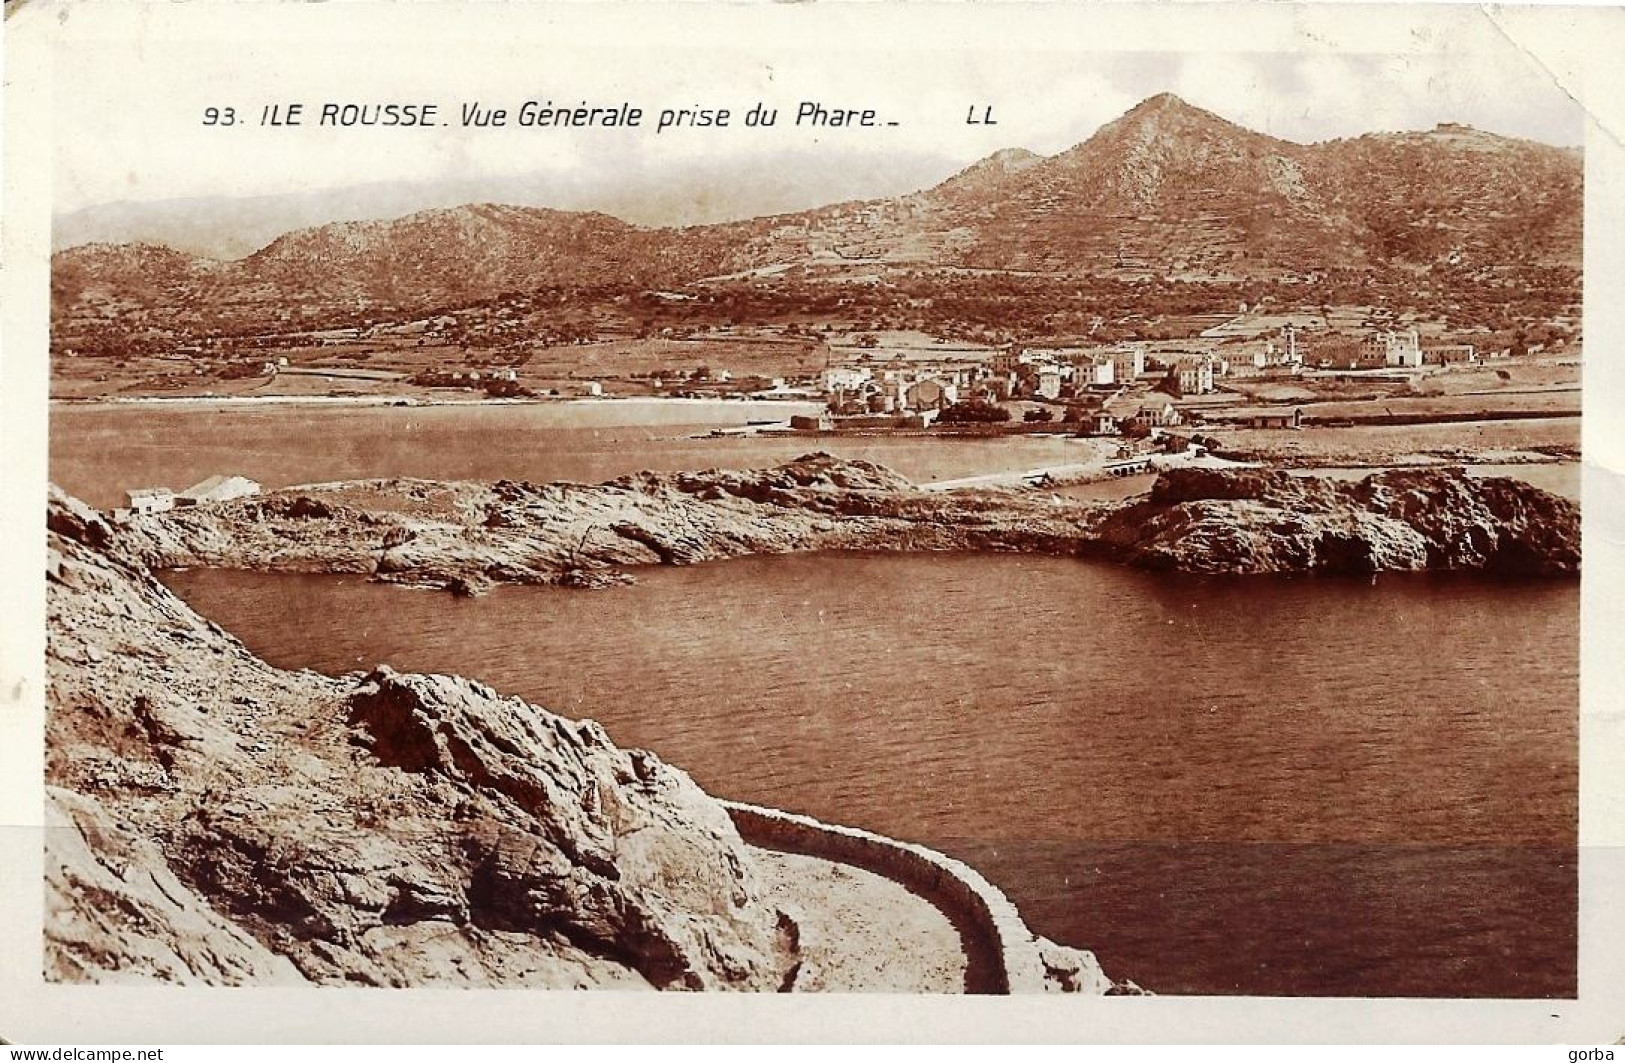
468,537
218,821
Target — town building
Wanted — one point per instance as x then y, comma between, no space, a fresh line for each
1128,362
1245,360
1290,354
1157,412
928,394
1336,352
1386,349
1153,410
1194,374
1402,350
1094,371
1378,350
150,499
844,377
1450,354
995,389
1048,355
217,489
1005,361
1099,423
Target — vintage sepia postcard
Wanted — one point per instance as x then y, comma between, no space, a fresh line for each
999,522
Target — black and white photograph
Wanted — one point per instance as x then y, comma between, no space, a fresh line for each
592,498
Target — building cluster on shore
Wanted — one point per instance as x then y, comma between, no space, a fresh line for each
1105,390
1111,388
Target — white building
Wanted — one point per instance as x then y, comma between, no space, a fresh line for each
1046,355
1154,410
1195,375
1095,372
1402,349
150,499
1157,412
216,489
844,378
1290,355
1099,423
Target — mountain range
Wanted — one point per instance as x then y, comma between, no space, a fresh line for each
1168,190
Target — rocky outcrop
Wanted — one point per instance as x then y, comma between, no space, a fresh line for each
468,537
221,821
215,820
117,914
1247,521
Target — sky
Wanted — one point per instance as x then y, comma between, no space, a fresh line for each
130,107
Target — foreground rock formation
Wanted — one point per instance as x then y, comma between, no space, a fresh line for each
467,536
378,829
215,820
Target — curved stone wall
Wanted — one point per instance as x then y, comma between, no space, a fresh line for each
1002,954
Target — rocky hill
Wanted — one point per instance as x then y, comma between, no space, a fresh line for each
1457,197
1167,190
1172,189
462,254
431,259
